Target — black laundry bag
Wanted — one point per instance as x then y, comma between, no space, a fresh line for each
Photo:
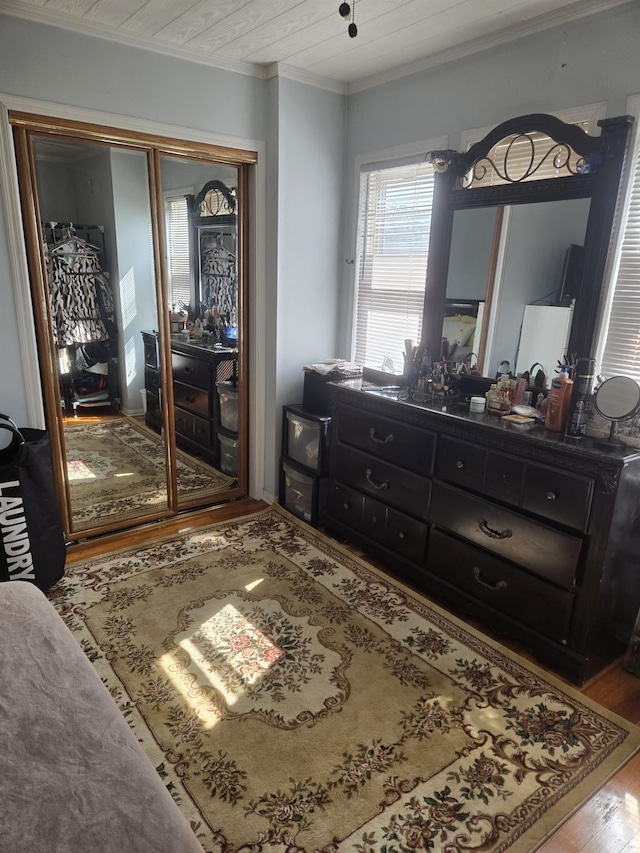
32,545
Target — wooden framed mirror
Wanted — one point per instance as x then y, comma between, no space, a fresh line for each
98,216
506,214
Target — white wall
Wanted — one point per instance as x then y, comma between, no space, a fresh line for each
310,151
136,285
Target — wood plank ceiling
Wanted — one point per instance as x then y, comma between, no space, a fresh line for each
309,37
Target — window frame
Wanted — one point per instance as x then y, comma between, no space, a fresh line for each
370,161
618,237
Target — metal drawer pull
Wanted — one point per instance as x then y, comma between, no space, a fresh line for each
346,505
459,464
402,535
374,437
187,370
383,485
494,534
551,496
494,586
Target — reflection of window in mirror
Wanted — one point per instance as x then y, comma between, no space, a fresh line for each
179,268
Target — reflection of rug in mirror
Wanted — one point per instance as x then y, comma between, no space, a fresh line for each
116,468
296,700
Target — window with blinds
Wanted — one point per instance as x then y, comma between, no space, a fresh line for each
178,255
525,157
394,224
621,354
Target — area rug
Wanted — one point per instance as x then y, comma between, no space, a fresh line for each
117,468
297,700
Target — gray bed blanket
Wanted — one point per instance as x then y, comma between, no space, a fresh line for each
73,777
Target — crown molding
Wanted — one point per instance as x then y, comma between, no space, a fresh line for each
42,15
568,14
279,69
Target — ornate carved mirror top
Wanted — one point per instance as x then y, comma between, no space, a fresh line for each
214,201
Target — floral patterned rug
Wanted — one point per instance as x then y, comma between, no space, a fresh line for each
117,468
296,700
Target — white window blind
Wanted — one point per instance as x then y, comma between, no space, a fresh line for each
621,355
178,255
517,150
394,224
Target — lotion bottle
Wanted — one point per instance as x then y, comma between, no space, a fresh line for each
559,398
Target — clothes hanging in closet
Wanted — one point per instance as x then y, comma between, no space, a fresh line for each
219,282
81,300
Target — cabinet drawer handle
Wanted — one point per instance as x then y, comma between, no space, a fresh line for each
402,535
551,496
459,464
346,505
493,586
383,485
190,398
187,370
374,437
494,534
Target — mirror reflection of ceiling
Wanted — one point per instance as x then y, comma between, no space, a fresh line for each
533,243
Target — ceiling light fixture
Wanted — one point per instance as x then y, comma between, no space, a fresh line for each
345,10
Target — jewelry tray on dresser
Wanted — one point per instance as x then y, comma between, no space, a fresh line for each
528,531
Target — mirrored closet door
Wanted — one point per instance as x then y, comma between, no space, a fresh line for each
137,254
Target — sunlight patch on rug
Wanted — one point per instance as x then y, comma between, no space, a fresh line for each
116,468
295,700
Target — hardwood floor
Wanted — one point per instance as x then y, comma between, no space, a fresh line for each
607,823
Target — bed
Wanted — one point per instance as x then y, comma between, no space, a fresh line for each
73,776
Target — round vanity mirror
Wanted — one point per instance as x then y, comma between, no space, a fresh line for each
616,400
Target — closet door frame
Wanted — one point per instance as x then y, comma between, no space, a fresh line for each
27,125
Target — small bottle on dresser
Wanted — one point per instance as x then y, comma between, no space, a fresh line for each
583,379
558,402
502,402
490,396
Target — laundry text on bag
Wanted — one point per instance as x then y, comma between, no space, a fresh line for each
15,536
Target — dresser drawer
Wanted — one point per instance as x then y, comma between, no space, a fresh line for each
150,343
545,552
510,590
346,505
401,444
194,399
191,371
395,486
461,464
406,536
152,380
504,477
153,405
558,495
403,535
193,427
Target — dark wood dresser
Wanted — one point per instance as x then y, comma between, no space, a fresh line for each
197,369
533,534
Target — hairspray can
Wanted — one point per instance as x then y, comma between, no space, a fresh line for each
583,379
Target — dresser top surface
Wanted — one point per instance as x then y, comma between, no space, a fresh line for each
455,413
